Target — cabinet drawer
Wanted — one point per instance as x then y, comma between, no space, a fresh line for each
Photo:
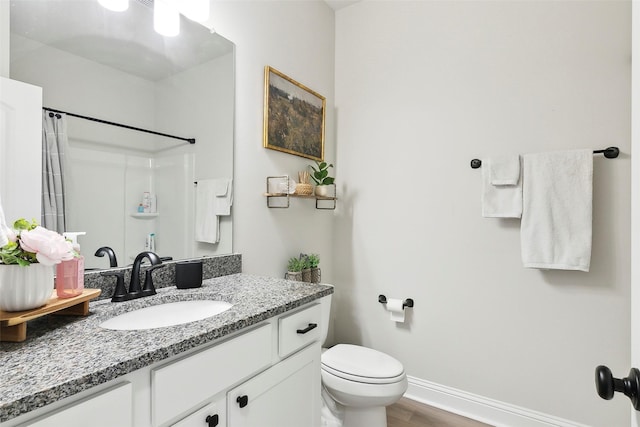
297,330
181,385
104,409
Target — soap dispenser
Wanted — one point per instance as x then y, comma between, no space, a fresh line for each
70,274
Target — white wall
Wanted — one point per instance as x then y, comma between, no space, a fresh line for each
296,38
421,89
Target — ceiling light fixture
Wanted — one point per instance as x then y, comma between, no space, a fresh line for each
115,5
166,18
166,13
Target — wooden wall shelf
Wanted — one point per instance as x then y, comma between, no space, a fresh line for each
281,200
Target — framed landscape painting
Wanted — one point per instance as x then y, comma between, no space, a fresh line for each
293,116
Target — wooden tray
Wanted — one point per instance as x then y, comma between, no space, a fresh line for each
13,324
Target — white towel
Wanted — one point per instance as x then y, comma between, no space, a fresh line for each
505,170
556,221
224,196
500,201
207,224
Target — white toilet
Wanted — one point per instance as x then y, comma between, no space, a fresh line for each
362,380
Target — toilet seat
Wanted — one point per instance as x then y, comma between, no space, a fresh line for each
362,364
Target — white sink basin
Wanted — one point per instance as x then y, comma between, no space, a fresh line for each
169,314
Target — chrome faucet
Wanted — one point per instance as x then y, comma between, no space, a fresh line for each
113,262
135,291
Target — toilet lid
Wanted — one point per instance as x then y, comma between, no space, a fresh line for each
362,364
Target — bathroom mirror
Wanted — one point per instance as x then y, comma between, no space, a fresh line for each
113,66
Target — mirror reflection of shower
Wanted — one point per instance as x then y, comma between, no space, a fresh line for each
140,79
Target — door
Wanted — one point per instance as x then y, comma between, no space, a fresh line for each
635,196
20,149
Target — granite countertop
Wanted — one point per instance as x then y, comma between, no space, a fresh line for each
65,355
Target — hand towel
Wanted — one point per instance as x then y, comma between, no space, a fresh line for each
557,209
224,196
505,170
500,201
207,227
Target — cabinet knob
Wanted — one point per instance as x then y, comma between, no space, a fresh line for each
243,401
212,420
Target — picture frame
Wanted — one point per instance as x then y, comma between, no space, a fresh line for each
294,116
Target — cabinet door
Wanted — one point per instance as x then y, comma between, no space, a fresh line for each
212,415
285,395
106,409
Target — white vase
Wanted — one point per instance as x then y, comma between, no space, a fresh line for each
24,288
322,190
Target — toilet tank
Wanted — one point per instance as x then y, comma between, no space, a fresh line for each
325,308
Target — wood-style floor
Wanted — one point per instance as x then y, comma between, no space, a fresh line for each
409,413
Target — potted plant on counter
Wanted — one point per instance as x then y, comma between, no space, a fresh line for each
294,269
306,268
26,264
321,177
314,260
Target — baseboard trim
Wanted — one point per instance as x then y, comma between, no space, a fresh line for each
480,408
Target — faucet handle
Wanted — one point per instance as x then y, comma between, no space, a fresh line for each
120,292
148,288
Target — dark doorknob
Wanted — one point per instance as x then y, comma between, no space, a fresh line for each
212,420
607,385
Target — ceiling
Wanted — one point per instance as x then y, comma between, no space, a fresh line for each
122,40
339,4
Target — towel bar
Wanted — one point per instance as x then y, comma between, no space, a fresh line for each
609,153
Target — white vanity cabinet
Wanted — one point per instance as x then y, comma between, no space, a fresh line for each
287,394
266,375
177,386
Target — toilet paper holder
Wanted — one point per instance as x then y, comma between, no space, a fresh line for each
406,303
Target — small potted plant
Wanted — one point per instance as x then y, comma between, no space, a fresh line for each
294,269
321,177
306,268
26,264
314,260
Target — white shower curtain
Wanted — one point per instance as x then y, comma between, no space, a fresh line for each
54,147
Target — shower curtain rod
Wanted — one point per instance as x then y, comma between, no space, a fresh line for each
106,122
609,153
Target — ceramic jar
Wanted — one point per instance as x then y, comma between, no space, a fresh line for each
25,287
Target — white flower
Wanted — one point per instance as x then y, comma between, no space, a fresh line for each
50,247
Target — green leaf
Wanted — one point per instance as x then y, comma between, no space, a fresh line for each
328,181
21,224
